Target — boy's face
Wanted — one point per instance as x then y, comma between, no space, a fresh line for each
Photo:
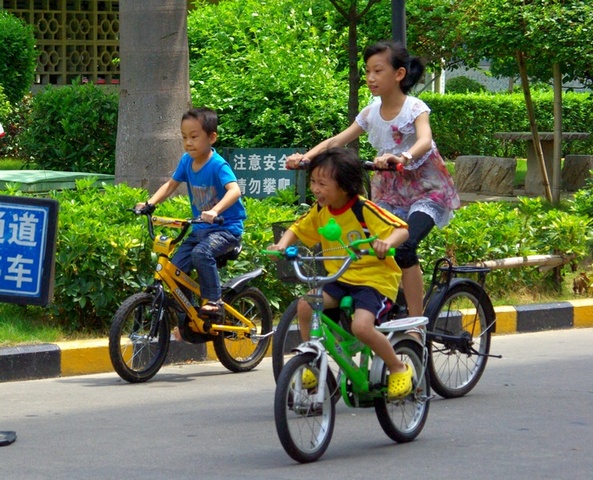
196,141
326,189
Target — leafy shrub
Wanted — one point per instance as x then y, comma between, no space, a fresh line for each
14,123
18,57
463,124
463,84
496,230
72,128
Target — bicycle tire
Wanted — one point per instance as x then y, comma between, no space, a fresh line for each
239,353
304,428
403,420
464,311
138,339
286,337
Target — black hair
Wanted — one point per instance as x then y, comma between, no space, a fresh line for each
399,58
207,117
343,166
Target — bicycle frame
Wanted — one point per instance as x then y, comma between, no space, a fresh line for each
168,274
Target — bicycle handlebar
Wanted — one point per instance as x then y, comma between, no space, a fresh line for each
367,165
183,224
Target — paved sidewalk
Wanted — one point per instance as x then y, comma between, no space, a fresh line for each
63,359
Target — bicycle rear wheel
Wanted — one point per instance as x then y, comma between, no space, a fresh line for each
139,337
304,427
459,339
240,353
286,337
403,420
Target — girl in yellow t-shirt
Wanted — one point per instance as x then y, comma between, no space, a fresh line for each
336,180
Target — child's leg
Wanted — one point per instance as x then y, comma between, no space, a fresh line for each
210,246
363,327
413,290
419,226
304,313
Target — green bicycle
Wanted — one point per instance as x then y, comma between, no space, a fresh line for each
305,414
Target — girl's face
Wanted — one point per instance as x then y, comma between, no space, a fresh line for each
381,77
196,141
326,189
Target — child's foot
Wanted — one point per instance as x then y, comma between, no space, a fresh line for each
212,309
309,379
399,385
177,335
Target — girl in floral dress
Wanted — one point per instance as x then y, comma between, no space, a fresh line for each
422,193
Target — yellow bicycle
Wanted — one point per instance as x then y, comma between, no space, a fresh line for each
140,332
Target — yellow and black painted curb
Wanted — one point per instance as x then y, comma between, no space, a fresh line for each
29,362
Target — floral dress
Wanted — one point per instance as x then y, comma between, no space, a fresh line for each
425,185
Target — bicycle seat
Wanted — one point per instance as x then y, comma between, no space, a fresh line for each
230,255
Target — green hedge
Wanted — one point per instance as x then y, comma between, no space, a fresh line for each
103,253
463,124
72,128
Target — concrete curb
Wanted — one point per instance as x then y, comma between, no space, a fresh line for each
30,362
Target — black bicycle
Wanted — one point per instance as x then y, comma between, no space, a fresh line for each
461,320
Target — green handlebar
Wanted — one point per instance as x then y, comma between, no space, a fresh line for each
390,252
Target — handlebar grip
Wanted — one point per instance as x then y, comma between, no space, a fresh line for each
398,167
390,252
218,220
303,165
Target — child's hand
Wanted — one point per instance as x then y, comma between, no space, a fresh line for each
274,247
293,161
380,247
209,216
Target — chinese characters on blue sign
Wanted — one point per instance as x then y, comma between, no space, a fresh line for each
262,171
27,249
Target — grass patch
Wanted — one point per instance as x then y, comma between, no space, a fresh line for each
24,324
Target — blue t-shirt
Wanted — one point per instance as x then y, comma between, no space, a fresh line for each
206,188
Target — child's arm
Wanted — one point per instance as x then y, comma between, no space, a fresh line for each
340,140
394,240
233,193
164,192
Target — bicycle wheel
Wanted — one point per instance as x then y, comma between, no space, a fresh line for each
237,352
403,420
456,365
304,427
286,337
139,337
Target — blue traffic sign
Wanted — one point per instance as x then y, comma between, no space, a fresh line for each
28,228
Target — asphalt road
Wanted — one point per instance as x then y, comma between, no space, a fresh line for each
531,416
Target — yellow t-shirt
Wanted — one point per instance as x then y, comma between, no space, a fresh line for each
383,275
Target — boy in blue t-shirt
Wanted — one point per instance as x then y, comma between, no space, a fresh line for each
213,190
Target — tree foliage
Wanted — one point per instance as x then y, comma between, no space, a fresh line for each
18,57
269,69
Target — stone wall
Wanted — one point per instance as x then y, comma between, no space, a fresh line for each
486,175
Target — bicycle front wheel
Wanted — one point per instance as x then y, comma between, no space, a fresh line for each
403,420
237,352
139,337
459,340
304,426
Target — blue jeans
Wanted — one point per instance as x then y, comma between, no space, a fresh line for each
199,251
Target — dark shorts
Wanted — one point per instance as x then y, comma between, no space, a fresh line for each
366,298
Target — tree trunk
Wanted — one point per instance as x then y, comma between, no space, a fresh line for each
154,91
557,135
531,114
